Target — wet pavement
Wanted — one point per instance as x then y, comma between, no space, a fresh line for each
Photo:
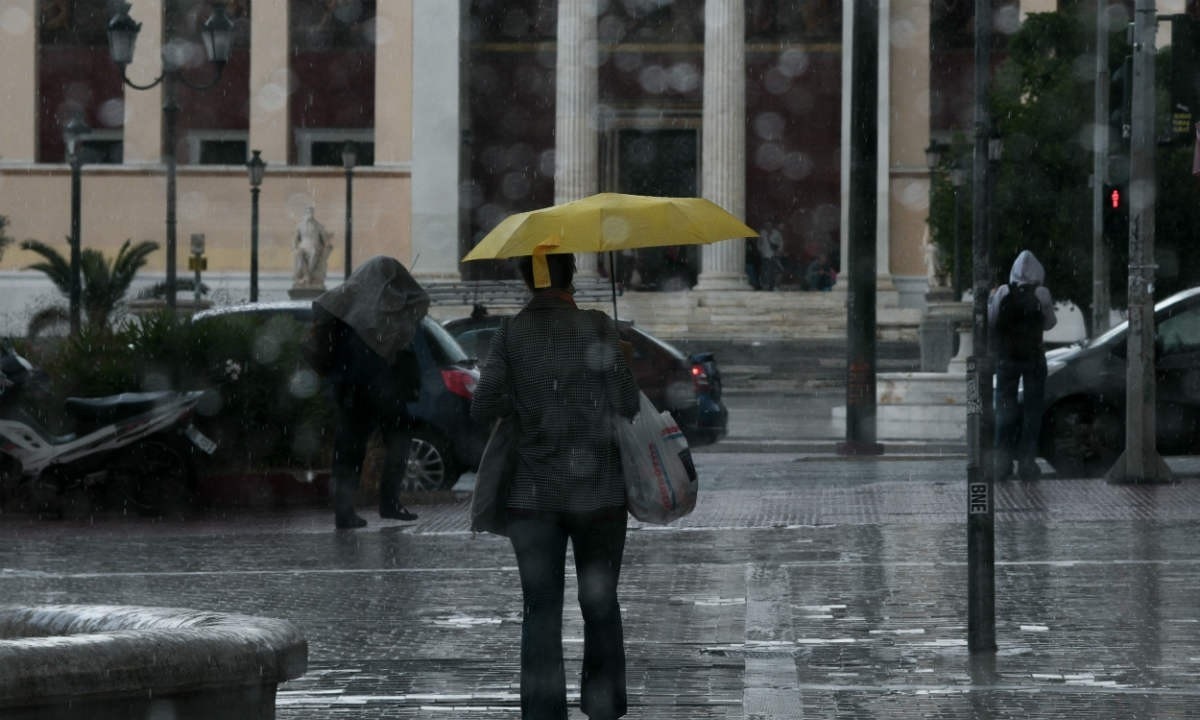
805,585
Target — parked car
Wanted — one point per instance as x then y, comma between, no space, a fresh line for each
445,441
688,386
1083,428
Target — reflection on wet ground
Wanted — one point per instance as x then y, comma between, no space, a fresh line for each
799,589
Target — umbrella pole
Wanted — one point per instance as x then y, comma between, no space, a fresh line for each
612,280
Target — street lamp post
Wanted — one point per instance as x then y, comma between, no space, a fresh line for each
933,157
958,177
256,167
73,134
217,35
349,159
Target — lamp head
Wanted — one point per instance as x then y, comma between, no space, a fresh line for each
122,36
933,154
256,167
218,35
73,131
349,155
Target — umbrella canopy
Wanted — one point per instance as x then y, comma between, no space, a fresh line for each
382,302
607,222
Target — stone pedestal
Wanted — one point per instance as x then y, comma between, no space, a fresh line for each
942,319
304,293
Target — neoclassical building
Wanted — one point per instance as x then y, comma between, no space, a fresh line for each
462,112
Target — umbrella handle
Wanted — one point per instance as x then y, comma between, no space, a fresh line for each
612,279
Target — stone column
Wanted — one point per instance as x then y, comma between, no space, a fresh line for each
908,136
269,96
143,135
436,137
18,90
723,137
576,151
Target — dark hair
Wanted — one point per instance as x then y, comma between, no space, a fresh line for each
562,270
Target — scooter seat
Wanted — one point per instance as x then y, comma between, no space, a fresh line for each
113,407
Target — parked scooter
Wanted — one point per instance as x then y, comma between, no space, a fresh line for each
132,451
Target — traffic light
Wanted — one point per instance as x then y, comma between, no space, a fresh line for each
1116,212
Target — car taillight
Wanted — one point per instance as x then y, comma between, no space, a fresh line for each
460,382
700,378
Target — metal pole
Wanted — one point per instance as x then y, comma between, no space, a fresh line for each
76,291
253,244
958,288
349,218
981,530
1100,294
170,115
1141,462
860,305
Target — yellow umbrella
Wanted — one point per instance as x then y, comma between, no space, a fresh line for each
607,222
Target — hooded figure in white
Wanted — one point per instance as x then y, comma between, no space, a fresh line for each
1026,270
1020,359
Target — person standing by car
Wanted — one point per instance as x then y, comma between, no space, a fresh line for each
770,244
558,370
362,333
1018,315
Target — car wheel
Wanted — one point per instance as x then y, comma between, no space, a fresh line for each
430,463
1082,439
154,477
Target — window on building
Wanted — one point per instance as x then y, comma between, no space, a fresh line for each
219,115
333,65
218,147
323,146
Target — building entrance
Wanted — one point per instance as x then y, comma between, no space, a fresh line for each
665,162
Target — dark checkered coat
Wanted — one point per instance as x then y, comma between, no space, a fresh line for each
559,368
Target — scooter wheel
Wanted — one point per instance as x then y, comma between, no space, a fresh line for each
154,477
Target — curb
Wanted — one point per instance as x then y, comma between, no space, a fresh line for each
891,448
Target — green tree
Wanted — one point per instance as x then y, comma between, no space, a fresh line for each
104,283
1042,108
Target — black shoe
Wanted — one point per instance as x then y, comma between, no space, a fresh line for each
1029,471
400,513
349,522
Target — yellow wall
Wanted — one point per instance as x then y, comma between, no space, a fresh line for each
121,203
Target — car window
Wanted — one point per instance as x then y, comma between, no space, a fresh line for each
663,346
1180,333
445,349
477,342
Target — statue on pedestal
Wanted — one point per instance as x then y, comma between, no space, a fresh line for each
310,250
934,268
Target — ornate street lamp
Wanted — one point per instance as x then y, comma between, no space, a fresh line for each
217,36
256,168
73,134
349,160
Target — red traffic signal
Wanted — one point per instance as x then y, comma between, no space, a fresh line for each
1114,198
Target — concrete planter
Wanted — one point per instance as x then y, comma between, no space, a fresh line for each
104,662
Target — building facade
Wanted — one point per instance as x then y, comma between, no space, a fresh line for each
462,113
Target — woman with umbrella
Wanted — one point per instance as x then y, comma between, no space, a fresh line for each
558,371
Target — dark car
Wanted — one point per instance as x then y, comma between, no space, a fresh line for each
688,386
446,441
1083,428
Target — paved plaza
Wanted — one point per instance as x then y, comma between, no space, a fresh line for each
804,586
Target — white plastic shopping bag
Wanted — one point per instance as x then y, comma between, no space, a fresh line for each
660,479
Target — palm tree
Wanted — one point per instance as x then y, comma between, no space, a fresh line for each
104,283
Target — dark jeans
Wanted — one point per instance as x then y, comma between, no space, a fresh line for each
598,541
1018,424
357,414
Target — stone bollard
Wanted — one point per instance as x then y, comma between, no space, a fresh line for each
104,662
